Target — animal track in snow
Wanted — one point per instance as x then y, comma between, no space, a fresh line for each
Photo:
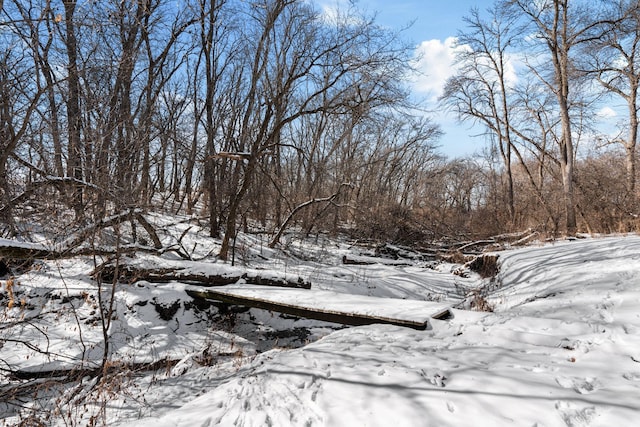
539,368
434,376
577,344
573,416
631,376
579,385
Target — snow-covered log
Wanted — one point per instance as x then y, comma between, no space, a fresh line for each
75,373
369,260
13,249
330,306
193,272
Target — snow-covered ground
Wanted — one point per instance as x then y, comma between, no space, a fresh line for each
561,347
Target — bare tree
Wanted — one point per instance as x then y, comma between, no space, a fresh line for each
615,60
37,29
301,65
163,60
74,120
20,94
481,91
561,26
220,53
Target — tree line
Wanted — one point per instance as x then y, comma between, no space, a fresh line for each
269,114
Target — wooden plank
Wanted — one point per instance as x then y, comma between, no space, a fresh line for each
301,303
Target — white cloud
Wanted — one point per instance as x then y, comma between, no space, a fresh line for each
435,64
332,11
607,113
511,68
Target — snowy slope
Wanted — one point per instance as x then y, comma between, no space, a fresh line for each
562,347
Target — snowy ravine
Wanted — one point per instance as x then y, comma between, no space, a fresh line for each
562,347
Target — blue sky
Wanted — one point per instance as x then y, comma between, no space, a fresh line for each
434,24
434,19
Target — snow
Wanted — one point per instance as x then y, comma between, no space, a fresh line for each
561,347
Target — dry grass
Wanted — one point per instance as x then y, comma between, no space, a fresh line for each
479,302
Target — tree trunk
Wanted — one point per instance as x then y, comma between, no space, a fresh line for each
74,166
6,216
566,168
630,146
559,46
230,227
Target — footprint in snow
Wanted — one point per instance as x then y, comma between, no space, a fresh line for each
606,317
579,345
631,376
575,416
538,368
434,376
579,385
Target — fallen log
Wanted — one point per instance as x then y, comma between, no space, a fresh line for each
12,249
329,306
205,274
396,252
369,260
201,276
75,373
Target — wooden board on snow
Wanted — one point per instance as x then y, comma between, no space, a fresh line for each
330,306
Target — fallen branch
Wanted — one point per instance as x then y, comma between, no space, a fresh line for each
149,229
109,221
526,239
476,243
